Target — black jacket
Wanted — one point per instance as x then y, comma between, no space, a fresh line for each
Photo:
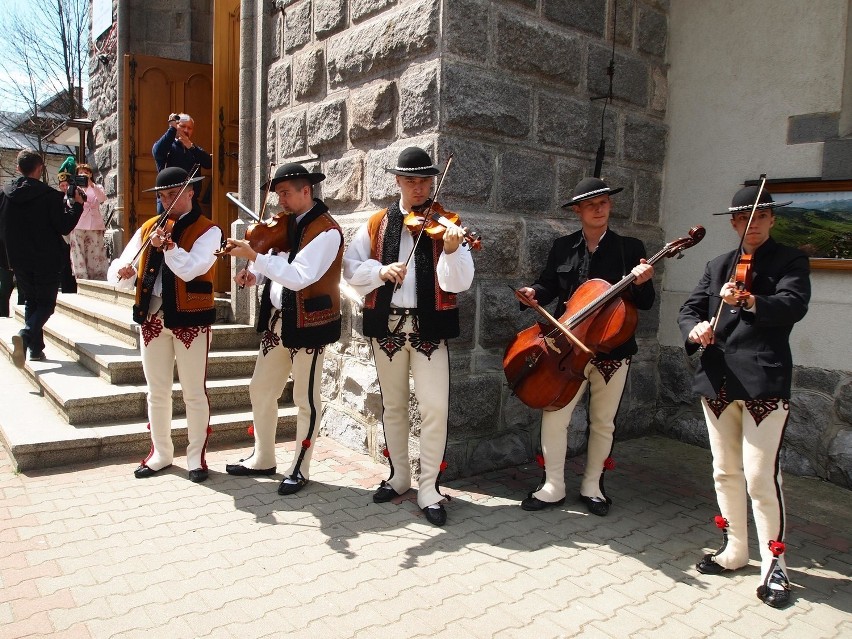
33,219
611,261
751,355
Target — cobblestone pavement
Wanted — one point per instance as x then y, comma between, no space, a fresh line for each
90,551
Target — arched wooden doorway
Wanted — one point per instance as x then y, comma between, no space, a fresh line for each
156,87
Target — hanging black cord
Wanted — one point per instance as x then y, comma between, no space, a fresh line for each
610,71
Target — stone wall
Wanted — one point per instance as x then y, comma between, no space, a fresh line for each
818,439
103,111
506,87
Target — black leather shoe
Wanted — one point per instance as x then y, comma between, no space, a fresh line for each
143,471
384,493
198,475
435,516
708,566
19,353
599,508
777,592
239,470
286,488
534,503
37,356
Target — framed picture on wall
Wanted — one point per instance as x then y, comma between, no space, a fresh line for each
819,220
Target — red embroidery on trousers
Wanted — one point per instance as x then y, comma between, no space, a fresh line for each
186,334
151,328
759,409
424,346
607,367
719,404
391,344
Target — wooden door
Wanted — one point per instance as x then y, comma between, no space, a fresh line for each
226,118
156,87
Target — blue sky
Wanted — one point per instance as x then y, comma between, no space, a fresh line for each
10,70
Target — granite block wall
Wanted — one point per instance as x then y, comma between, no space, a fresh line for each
506,87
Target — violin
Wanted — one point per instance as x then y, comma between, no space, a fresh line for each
545,363
164,218
167,227
742,278
434,219
742,269
262,236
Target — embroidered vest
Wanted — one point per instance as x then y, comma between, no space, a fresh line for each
184,303
310,317
437,310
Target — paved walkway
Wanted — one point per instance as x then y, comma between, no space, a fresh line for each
89,551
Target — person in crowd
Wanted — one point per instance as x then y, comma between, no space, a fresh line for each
176,148
744,377
173,280
34,219
88,256
594,251
410,313
299,316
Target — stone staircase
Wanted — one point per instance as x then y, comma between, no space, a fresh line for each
87,400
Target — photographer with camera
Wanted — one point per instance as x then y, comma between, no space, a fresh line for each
176,148
34,217
88,256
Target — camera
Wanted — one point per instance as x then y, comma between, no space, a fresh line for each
81,180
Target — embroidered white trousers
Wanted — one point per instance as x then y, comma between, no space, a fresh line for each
275,364
161,349
604,398
746,462
429,365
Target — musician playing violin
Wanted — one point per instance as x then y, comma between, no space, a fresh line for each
595,251
299,315
173,280
410,312
744,378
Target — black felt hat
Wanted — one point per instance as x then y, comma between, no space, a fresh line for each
588,188
414,162
292,171
743,200
172,177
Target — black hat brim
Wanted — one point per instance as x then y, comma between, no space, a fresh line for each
592,194
313,178
748,207
197,178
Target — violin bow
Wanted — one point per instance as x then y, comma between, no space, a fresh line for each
258,219
718,315
164,216
426,215
268,190
552,321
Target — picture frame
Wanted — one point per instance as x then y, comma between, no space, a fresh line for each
818,221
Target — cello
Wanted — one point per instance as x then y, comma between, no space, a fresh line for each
544,365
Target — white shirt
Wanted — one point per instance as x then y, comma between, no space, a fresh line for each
309,265
187,265
455,270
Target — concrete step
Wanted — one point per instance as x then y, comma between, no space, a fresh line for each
37,436
84,398
97,289
116,320
120,363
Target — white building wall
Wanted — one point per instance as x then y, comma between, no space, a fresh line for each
738,71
